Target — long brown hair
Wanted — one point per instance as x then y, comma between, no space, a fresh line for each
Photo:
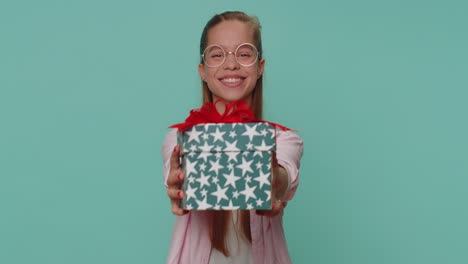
219,219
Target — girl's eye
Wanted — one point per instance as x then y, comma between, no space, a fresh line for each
216,56
245,55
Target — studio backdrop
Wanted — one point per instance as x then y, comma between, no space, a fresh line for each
378,90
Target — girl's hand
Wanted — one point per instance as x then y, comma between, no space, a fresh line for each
279,183
174,182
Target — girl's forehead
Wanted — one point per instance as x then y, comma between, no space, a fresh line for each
229,34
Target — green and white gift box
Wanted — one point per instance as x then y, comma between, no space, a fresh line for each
227,166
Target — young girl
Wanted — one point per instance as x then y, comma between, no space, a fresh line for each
231,69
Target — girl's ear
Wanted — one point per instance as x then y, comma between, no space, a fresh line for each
261,66
201,72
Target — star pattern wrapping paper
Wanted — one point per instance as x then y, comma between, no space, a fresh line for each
227,166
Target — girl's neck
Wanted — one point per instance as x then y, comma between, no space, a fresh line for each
222,107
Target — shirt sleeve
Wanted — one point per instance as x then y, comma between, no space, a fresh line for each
170,141
289,150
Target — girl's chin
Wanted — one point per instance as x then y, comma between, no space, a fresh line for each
229,94
231,98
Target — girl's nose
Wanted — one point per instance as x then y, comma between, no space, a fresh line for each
231,62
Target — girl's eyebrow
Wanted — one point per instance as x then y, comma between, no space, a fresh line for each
235,46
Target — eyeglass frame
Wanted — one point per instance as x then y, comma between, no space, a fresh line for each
230,52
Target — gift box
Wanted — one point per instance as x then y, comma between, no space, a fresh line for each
227,166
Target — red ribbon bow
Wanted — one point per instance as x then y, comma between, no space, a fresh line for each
235,112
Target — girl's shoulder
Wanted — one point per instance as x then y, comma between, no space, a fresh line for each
171,135
288,136
170,140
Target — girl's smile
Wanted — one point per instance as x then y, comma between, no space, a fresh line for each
232,81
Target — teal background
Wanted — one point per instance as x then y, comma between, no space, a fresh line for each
378,89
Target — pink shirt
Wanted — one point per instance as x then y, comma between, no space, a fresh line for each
190,241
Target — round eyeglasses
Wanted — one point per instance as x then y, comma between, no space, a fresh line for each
214,55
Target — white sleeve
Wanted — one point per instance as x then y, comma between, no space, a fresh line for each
289,150
170,141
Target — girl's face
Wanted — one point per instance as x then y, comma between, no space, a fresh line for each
231,81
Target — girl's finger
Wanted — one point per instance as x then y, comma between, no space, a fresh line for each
276,207
175,179
273,182
175,158
176,208
273,158
175,194
172,179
